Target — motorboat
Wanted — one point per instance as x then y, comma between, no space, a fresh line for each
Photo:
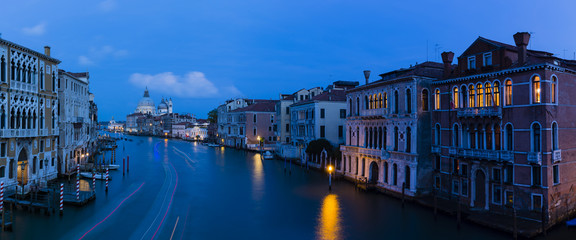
99,176
268,155
111,166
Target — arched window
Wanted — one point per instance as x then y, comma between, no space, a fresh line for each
11,169
554,136
425,100
497,145
384,137
553,89
350,109
380,101
365,137
455,136
386,172
408,101
349,135
437,99
536,137
358,136
371,104
394,174
385,100
488,134
3,69
349,164
396,138
366,102
407,177
408,140
2,118
464,97
396,101
471,96
357,166
437,134
508,92
370,137
496,93
455,102
357,106
479,95
380,138
536,89
489,97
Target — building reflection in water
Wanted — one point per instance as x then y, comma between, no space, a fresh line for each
257,178
329,223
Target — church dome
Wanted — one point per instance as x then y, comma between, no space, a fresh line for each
162,106
146,104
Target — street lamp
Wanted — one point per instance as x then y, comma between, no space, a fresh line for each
330,177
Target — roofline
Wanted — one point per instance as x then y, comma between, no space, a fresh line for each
385,82
30,51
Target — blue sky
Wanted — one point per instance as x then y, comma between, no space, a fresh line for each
201,52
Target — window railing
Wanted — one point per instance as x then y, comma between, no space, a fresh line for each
480,112
435,149
535,158
557,155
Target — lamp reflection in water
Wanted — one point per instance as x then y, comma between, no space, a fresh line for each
257,178
329,224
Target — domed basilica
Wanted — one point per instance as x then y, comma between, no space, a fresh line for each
146,105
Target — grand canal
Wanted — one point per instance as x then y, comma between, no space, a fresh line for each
183,190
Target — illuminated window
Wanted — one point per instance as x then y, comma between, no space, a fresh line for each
425,100
489,97
508,92
471,96
437,100
553,89
455,97
385,100
496,94
536,89
479,95
381,104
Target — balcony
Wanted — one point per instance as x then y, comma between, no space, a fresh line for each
378,112
379,153
453,151
43,132
490,155
507,156
535,158
55,132
23,86
557,155
435,149
480,112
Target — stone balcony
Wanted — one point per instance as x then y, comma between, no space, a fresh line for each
378,112
480,112
7,133
55,132
28,87
383,154
535,158
557,155
490,155
435,149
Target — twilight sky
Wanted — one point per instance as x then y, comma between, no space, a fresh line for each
202,52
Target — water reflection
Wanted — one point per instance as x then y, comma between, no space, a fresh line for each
257,178
329,224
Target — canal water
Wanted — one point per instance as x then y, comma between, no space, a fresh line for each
183,190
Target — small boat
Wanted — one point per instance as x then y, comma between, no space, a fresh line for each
111,166
268,155
99,176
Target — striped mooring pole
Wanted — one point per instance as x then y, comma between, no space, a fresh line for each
94,180
78,182
128,164
61,198
2,197
106,179
123,165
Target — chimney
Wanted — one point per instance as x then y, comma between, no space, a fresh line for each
447,58
366,75
521,39
47,51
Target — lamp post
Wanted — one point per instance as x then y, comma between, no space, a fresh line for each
330,177
22,167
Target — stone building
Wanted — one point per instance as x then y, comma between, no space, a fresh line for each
28,115
503,130
388,125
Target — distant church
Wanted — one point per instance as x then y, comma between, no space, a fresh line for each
147,106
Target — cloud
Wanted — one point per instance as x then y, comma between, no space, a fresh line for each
37,30
97,54
107,5
191,85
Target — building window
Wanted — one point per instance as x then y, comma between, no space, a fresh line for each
254,118
454,101
396,138
536,202
472,62
536,89
425,100
508,92
455,166
553,89
287,127
380,100
407,180
509,137
465,187
254,131
556,174
471,96
3,149
2,172
437,100
437,162
496,174
479,95
342,113
464,170
487,59
496,92
536,175
385,100
437,182
394,174
455,138
509,198
322,113
437,134
272,118
455,186
489,97
408,101
322,131
408,140
497,194
509,174
554,136
3,69
536,141
340,131
396,102
287,110
366,103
